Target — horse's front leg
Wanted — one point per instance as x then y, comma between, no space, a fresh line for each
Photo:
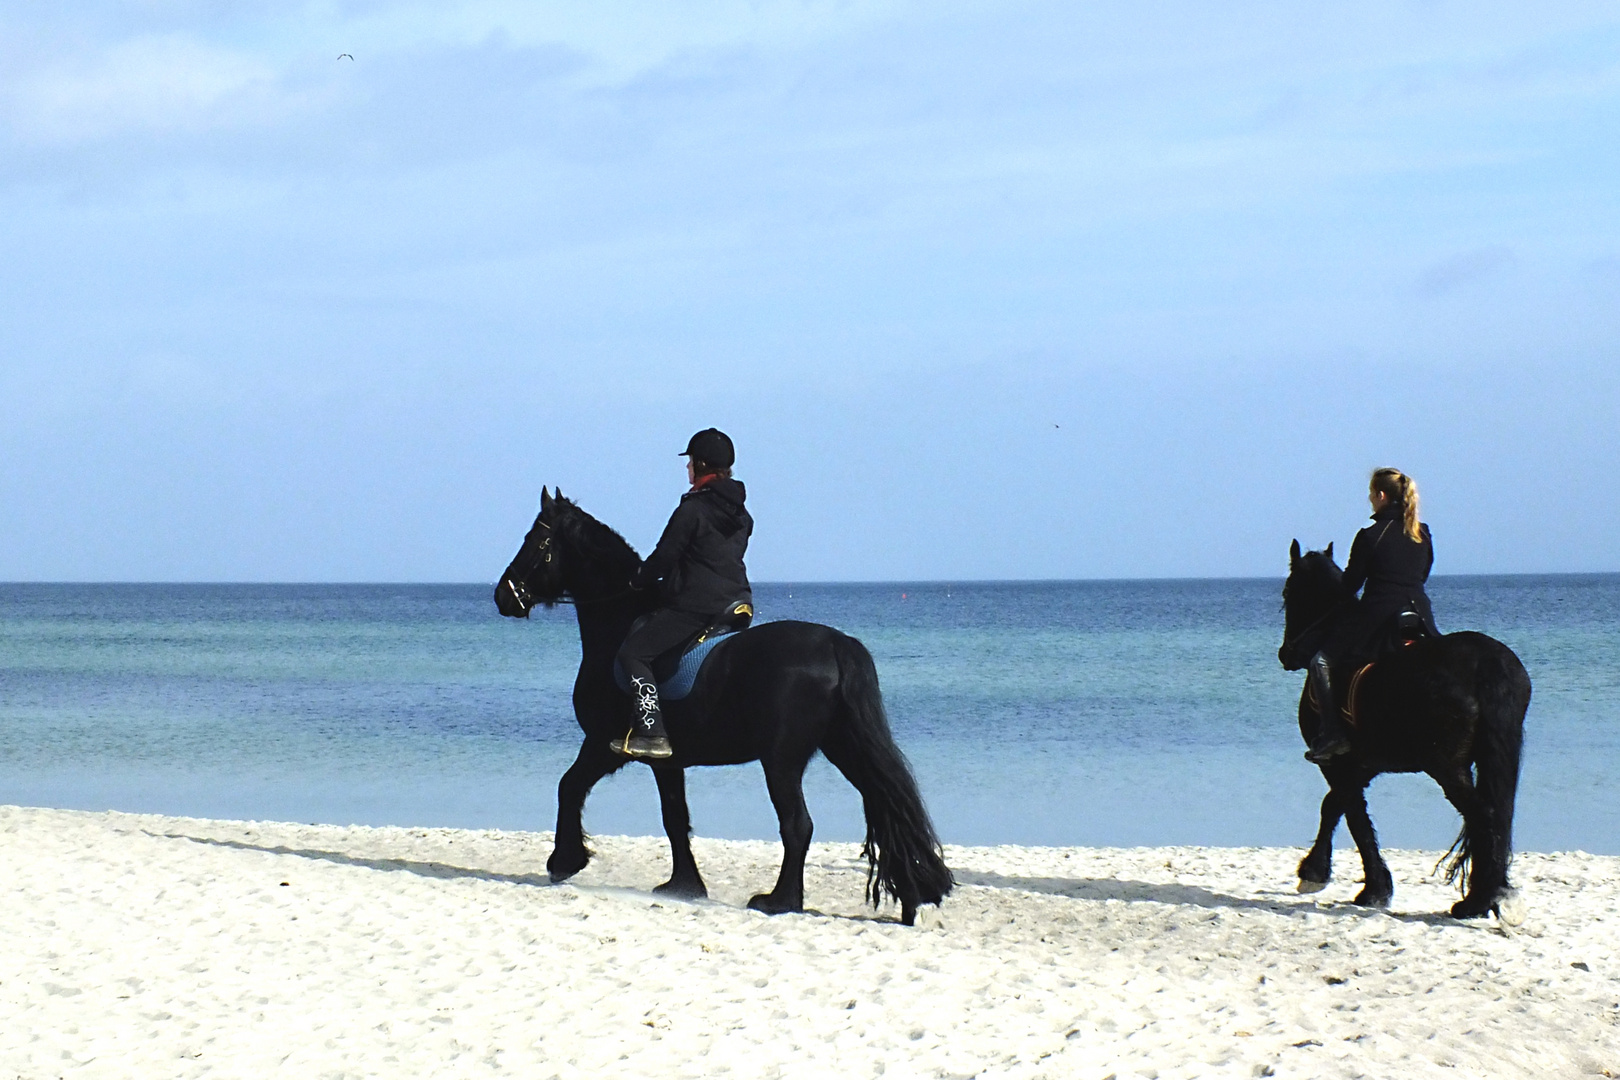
684,880
569,854
1316,868
1378,887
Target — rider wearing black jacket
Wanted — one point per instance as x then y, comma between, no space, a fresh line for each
1391,558
698,568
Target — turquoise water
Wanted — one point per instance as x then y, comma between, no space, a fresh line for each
1147,712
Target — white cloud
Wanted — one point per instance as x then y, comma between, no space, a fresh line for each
152,84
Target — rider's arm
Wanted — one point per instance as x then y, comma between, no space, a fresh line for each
677,535
1355,570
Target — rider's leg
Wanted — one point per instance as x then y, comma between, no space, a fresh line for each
1332,738
660,632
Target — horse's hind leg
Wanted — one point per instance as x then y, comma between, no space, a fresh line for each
684,880
1476,854
568,853
786,786
1316,868
1378,887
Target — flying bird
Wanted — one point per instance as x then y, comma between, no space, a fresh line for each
345,56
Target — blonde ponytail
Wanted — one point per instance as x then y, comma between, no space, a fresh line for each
1401,490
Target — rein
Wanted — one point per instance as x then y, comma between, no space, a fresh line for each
1332,611
577,601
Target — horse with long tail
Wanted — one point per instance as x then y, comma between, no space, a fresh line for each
775,693
1452,707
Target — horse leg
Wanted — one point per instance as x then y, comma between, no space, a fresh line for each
1378,887
786,785
569,854
684,881
1476,850
1316,868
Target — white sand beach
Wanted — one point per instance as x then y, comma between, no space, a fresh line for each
173,947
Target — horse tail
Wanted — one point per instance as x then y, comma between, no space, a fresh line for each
903,854
1502,690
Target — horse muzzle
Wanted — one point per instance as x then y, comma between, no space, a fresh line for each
512,599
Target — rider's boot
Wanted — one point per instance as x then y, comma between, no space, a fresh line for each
1332,739
647,737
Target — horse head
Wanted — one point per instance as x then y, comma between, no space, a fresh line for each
534,576
1314,589
566,553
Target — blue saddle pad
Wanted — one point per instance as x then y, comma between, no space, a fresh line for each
678,685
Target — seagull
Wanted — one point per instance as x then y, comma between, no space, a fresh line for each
345,56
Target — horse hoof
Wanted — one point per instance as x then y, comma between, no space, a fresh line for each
682,890
770,905
560,870
1473,906
1307,886
1364,898
1511,908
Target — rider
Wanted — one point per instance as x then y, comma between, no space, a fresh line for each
1392,557
698,566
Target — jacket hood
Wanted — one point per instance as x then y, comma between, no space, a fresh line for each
723,499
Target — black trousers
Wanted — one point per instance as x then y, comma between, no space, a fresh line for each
660,632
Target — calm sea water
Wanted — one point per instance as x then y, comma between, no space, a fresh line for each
1144,712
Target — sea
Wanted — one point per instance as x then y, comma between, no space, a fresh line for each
1056,712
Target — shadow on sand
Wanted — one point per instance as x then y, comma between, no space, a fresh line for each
1094,889
1186,895
443,871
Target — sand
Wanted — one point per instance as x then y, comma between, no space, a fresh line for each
145,946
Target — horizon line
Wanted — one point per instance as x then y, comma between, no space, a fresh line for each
913,582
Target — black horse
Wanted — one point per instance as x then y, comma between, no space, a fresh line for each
775,693
1452,707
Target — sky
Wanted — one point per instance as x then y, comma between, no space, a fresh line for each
1015,290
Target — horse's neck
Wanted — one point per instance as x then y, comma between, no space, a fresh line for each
603,625
604,606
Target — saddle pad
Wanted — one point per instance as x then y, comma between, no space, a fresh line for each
678,685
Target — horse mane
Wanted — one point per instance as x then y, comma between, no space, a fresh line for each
600,545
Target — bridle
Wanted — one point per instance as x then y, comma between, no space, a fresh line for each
521,593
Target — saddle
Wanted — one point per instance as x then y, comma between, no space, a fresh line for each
1403,629
677,670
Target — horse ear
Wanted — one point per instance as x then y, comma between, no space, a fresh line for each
1328,551
1293,554
545,499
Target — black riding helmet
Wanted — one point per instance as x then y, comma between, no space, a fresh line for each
712,447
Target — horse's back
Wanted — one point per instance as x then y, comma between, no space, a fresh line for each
772,682
1432,694
1492,660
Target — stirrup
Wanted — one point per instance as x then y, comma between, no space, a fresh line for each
644,746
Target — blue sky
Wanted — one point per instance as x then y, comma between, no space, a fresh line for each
1012,290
